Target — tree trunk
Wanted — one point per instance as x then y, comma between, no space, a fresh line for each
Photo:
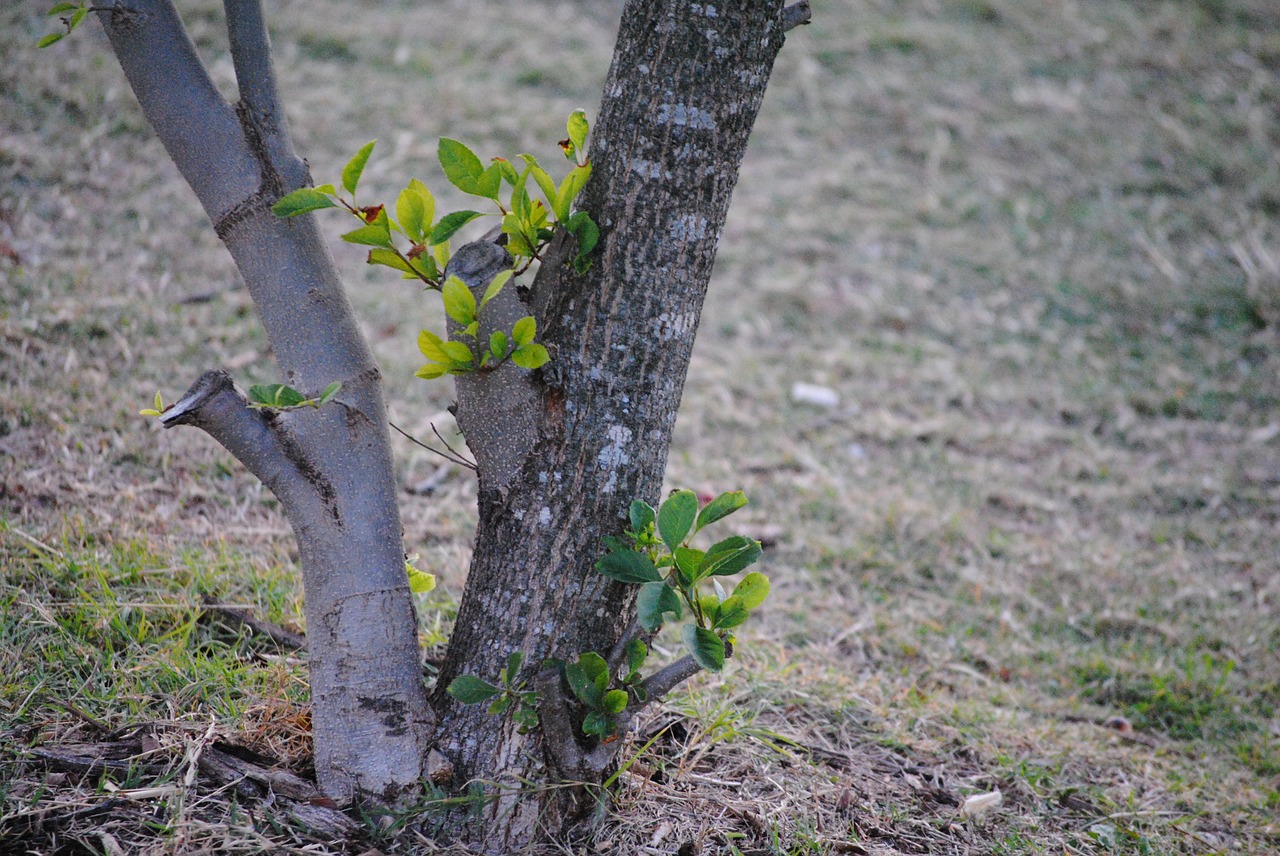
331,468
685,86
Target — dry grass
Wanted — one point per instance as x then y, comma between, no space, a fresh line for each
1032,246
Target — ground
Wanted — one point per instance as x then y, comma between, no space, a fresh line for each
1032,248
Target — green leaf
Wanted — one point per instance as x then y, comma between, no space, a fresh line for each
654,602
500,704
50,39
375,234
431,371
60,8
449,224
530,356
508,171
706,647
421,582
689,561
542,178
275,395
411,212
489,183
598,724
329,392
578,128
301,201
459,355
495,287
637,653
524,330
513,667
583,685
425,268
526,718
676,516
389,258
498,344
641,514
459,302
469,689
729,614
569,189
730,556
614,701
582,227
460,165
753,589
77,16
628,566
355,167
431,346
720,507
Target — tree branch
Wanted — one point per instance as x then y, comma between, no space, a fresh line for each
259,98
663,681
253,437
796,14
193,121
557,724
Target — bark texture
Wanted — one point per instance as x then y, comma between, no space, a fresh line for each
330,468
682,94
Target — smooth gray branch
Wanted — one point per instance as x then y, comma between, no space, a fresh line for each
796,14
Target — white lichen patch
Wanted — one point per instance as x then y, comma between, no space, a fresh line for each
614,455
688,227
683,114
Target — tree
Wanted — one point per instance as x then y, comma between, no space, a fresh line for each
562,450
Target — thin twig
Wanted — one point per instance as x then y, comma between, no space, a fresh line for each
451,456
35,542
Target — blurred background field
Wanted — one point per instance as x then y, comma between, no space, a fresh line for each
1030,248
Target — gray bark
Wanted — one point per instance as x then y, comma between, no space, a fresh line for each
331,469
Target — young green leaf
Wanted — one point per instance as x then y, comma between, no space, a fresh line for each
411,212
275,395
542,178
460,165
489,183
637,652
431,371
449,224
524,330
459,355
676,516
582,227
628,566
389,258
720,507
578,128
469,689
60,8
614,701
329,392
513,667
508,171
496,286
375,234
730,556
597,724
641,515
753,589
431,346
706,647
459,302
498,344
530,356
654,602
499,705
569,189
77,16
301,201
52,38
355,168
729,614
420,582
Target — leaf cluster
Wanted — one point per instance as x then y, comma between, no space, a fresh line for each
674,577
76,16
509,694
278,396
458,357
